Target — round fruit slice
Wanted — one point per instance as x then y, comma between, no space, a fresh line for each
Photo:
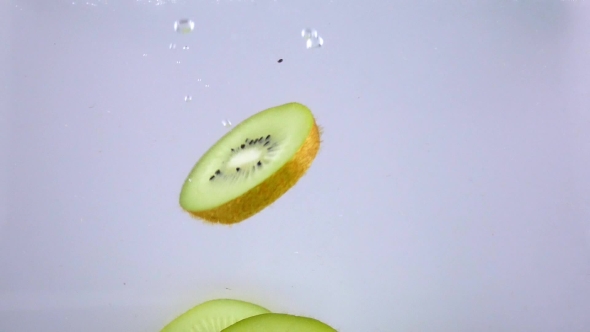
252,165
279,323
214,316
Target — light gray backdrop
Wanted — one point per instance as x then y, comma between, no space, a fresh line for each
451,192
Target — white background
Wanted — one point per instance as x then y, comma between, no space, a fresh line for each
451,192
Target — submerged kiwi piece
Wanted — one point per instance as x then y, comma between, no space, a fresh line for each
279,323
214,316
252,165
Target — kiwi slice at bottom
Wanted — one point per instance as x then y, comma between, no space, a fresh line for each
214,316
273,322
252,165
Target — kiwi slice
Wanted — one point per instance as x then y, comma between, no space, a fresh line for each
279,323
252,165
214,316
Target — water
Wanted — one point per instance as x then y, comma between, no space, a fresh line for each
452,172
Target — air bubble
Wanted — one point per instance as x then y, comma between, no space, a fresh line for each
184,26
312,38
185,48
308,33
188,98
172,46
226,123
314,43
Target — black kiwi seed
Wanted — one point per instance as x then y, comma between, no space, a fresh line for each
217,172
267,142
247,139
261,138
259,163
243,146
237,169
232,150
211,178
267,137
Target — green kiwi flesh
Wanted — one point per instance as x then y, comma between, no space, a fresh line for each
214,316
252,165
273,322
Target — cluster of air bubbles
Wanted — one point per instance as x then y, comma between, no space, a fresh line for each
157,2
93,3
184,26
312,38
226,123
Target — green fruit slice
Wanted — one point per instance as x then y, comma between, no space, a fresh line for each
214,316
279,323
252,165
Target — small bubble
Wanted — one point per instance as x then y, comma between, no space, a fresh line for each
172,46
226,123
312,38
206,85
314,43
177,62
184,26
198,79
308,33
185,47
144,54
188,98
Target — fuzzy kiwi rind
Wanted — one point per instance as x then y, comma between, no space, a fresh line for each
273,322
214,316
251,201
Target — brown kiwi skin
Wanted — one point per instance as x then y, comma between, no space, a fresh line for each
261,196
